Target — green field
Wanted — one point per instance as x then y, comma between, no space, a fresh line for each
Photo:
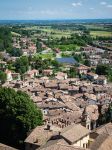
56,33
70,47
94,26
15,34
45,56
101,33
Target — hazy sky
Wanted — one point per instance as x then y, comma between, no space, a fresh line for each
55,9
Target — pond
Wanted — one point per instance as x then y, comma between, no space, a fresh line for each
67,60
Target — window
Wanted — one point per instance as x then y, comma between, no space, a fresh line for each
83,145
88,126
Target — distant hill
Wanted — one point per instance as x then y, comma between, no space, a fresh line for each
66,21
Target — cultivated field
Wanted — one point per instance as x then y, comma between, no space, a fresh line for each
101,33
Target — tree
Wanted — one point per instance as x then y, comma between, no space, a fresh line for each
39,46
72,73
16,52
18,115
3,77
22,64
79,58
103,69
87,62
5,39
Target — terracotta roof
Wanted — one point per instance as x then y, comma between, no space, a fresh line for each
72,106
102,142
30,72
2,62
92,74
71,116
8,71
101,78
74,132
5,147
82,67
92,111
107,128
90,96
52,105
36,99
40,135
63,86
51,85
58,145
100,88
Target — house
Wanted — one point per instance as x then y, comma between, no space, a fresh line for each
106,128
74,81
61,76
9,75
91,98
83,69
99,90
50,137
63,86
92,76
76,135
32,49
93,62
72,106
73,90
90,115
58,145
47,106
25,51
39,136
57,50
102,142
47,72
85,89
98,57
16,76
88,49
51,85
101,80
63,119
19,84
105,61
31,74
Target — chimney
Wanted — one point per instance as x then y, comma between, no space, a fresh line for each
48,127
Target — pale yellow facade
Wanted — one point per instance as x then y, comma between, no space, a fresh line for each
83,142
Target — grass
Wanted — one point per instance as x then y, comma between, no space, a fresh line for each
55,33
15,34
101,33
94,26
46,56
70,47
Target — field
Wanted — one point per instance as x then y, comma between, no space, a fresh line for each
45,56
94,26
50,32
101,33
58,33
70,47
15,34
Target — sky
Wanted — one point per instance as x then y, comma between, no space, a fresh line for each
55,9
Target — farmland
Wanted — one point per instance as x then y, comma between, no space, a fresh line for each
101,33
